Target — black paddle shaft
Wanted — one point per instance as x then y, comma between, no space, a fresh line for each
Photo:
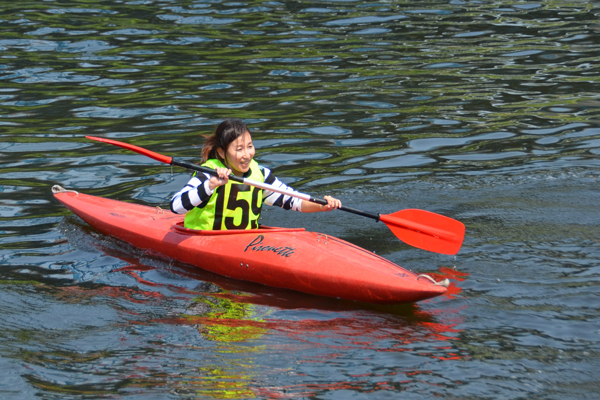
199,168
348,209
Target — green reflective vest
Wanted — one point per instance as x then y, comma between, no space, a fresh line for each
231,206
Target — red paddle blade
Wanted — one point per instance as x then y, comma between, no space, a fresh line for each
426,230
137,149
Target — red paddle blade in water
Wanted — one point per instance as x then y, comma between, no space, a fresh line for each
426,230
137,149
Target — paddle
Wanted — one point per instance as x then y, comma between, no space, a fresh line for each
418,228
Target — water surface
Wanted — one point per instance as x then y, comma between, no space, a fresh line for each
483,111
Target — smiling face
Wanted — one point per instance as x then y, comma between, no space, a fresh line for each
239,154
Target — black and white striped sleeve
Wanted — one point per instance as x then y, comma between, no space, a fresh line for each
277,199
192,195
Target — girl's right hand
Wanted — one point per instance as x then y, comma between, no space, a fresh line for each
222,179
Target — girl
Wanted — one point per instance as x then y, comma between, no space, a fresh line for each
213,203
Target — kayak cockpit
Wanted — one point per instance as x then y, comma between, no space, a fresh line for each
179,228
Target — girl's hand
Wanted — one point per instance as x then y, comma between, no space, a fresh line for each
332,204
222,179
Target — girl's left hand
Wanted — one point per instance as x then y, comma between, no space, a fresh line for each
332,204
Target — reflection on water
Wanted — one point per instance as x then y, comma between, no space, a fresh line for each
179,329
483,111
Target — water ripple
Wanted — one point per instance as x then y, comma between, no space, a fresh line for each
483,111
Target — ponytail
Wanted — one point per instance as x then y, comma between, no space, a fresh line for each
227,131
209,150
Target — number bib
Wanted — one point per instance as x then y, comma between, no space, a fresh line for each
231,206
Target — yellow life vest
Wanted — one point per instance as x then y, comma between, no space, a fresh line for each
231,206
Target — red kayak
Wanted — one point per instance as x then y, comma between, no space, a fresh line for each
295,259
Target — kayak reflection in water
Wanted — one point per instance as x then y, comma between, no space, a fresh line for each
213,203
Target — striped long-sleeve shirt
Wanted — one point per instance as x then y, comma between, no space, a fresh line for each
197,192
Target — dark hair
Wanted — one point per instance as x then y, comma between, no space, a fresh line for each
227,131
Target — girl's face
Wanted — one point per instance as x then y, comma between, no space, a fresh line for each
239,154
